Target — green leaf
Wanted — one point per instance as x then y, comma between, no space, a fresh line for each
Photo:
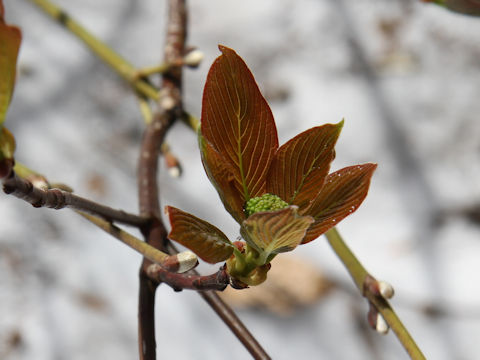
299,168
7,144
238,123
273,232
221,176
10,38
204,239
342,194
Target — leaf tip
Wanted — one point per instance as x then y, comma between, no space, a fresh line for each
224,49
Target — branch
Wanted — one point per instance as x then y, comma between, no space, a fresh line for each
59,199
170,106
369,288
180,262
126,70
217,281
225,312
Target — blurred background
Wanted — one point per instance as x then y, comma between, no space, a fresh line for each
403,74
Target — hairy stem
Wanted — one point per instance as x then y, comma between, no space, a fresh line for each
360,275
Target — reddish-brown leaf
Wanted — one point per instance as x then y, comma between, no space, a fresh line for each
10,38
273,232
299,168
221,176
204,239
238,122
342,194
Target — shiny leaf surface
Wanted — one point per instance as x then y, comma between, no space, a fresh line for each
299,168
342,194
274,232
204,239
238,123
221,176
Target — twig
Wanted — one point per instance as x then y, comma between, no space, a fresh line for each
361,277
168,263
114,60
59,199
217,281
225,312
235,324
169,107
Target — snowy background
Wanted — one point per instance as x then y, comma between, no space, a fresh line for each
404,75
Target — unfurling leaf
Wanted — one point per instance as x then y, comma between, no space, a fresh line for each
10,38
221,176
342,194
238,123
274,232
204,239
300,166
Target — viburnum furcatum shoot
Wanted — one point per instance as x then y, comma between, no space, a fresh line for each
282,196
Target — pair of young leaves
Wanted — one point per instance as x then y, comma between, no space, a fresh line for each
242,158
10,38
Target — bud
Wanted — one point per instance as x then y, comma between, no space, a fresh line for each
187,260
385,289
193,58
381,325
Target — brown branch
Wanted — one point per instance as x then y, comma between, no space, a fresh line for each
169,109
217,281
228,316
235,324
60,199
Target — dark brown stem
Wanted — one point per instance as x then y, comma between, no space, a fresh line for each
225,312
234,323
170,108
217,281
59,199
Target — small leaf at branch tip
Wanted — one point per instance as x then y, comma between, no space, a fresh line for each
187,260
381,326
193,58
385,289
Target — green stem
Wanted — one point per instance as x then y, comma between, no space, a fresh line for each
140,246
109,56
359,274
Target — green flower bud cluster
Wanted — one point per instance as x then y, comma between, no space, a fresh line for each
266,202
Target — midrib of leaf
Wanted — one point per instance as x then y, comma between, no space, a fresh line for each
299,188
239,147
